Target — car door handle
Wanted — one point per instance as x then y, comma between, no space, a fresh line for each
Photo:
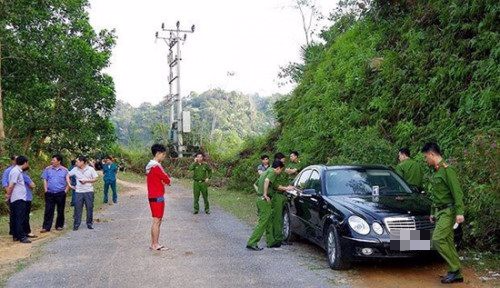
314,200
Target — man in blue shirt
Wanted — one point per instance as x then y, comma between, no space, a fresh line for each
109,170
5,184
54,182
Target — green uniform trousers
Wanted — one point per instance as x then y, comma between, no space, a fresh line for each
264,210
278,203
443,236
200,188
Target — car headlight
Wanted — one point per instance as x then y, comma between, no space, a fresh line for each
359,225
377,228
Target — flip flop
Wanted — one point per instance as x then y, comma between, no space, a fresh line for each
160,248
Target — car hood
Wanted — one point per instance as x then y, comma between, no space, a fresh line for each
379,207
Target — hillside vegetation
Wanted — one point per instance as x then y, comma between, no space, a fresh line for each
400,73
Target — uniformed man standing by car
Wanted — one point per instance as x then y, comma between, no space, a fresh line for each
279,200
266,190
411,171
201,175
447,209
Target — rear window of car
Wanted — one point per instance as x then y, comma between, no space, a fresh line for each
364,182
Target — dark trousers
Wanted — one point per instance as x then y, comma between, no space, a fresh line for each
86,198
11,220
53,200
18,213
26,224
107,185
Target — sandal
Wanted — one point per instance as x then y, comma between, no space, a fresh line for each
160,248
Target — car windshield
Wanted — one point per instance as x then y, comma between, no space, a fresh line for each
364,182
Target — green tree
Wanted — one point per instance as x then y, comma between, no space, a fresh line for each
52,62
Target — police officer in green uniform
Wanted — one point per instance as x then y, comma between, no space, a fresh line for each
409,169
201,175
279,200
447,209
266,188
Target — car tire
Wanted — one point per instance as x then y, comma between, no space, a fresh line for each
337,260
288,235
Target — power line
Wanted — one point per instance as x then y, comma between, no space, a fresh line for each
180,122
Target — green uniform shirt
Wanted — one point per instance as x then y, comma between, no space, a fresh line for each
294,165
200,171
411,171
273,186
445,189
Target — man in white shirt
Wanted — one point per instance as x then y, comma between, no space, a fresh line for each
86,176
17,194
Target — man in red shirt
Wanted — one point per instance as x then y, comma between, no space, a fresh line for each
156,180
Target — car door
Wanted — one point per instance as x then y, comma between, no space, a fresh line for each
313,204
299,216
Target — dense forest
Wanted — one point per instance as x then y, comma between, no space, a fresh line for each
394,74
220,121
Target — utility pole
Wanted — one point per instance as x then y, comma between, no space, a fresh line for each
177,127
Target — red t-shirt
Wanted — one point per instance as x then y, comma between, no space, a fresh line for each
157,179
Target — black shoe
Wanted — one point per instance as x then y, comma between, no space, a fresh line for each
286,243
277,245
15,239
195,212
75,228
207,212
89,226
254,248
453,277
25,240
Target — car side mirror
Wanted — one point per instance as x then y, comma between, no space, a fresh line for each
308,192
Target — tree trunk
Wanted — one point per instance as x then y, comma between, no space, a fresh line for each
2,130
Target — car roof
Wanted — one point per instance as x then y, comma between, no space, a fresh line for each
351,166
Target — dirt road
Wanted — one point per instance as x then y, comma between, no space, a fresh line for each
205,251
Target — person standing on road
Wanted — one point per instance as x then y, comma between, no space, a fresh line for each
17,196
278,203
5,184
447,209
55,186
201,175
264,165
156,181
110,169
86,176
411,171
266,188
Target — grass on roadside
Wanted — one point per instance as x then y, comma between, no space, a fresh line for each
240,204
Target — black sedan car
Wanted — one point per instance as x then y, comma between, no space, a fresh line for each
354,212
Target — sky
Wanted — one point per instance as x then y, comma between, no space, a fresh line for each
248,38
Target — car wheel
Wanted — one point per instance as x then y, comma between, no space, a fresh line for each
288,235
336,258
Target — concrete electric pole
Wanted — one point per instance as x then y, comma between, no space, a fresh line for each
180,121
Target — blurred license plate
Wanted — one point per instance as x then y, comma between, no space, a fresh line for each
411,240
